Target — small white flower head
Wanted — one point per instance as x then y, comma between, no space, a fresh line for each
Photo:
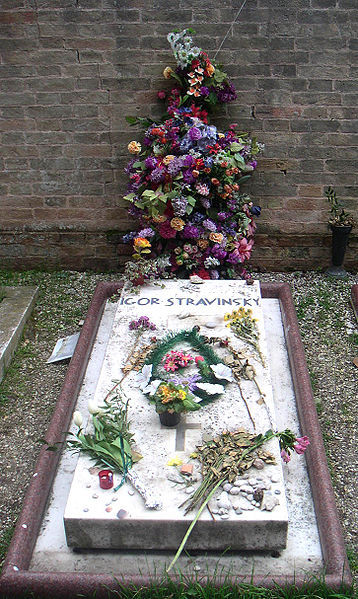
93,408
77,418
143,377
222,371
209,388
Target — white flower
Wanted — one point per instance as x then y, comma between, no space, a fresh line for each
222,371
143,377
209,388
77,418
93,408
151,389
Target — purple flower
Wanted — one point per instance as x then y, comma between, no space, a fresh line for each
188,177
204,91
285,456
147,141
179,205
147,232
194,133
226,93
197,218
190,232
218,252
188,160
157,175
214,274
255,210
209,224
129,237
150,162
205,202
188,381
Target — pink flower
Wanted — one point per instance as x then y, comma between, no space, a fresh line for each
285,456
166,231
199,359
161,95
242,250
302,444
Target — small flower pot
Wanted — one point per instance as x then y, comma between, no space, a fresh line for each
169,418
340,237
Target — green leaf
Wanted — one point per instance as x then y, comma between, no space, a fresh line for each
243,179
138,164
132,120
191,200
129,197
239,159
176,76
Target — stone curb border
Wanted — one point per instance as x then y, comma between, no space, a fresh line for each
16,579
15,310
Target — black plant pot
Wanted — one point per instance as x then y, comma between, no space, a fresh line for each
340,237
169,418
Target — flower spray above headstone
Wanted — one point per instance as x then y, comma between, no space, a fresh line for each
186,178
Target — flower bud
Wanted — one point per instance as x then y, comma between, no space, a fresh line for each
77,418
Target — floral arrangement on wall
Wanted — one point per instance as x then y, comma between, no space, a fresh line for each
186,177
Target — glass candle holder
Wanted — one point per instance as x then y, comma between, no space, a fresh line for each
105,479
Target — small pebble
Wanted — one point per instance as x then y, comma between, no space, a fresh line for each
224,516
227,487
252,482
210,325
88,486
109,508
130,492
115,498
238,511
15,568
258,464
275,477
189,490
23,525
277,491
85,509
234,491
95,496
121,514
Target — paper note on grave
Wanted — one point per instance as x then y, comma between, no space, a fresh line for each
120,520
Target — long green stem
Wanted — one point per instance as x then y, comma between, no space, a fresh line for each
187,534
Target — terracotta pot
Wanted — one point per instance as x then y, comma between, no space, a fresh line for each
169,418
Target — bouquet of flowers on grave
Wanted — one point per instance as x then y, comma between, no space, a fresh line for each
182,380
186,178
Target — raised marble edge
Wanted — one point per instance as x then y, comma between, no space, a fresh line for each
16,579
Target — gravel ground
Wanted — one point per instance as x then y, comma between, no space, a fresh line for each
29,392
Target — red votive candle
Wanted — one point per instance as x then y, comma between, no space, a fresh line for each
106,479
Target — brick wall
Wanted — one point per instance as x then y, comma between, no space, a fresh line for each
71,70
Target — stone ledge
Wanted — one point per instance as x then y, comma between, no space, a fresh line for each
15,309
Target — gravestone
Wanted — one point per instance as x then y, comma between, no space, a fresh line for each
98,518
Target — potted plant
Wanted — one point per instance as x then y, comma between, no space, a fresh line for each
171,400
341,224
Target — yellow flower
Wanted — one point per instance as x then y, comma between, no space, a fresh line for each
177,224
160,218
141,242
216,237
221,135
181,394
168,159
167,72
202,244
134,147
175,461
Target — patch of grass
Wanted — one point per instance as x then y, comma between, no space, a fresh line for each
302,306
352,555
353,338
5,539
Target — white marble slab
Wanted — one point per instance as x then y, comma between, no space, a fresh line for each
91,517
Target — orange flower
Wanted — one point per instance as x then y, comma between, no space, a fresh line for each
203,244
215,181
167,72
195,173
177,224
210,69
141,242
160,218
168,159
134,147
216,237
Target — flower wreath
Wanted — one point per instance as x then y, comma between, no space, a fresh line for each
162,375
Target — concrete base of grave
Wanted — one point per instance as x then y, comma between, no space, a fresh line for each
39,560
